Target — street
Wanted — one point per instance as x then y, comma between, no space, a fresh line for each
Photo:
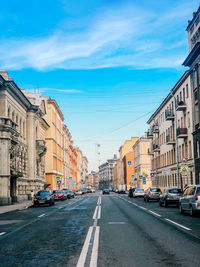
97,230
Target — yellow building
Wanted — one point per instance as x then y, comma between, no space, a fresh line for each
54,155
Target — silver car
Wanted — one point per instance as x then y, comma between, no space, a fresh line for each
190,201
138,192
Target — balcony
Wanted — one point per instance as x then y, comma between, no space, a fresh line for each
156,148
169,115
155,128
149,134
181,106
170,140
182,133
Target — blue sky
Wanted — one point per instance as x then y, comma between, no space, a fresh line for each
107,63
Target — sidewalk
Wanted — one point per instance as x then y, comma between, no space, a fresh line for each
17,206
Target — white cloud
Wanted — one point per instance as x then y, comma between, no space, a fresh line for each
46,89
124,37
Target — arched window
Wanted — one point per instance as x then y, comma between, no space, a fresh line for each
13,115
9,112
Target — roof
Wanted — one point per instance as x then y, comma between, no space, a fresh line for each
190,22
53,102
192,55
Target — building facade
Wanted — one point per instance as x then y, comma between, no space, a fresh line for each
171,134
66,137
53,138
193,62
106,173
73,165
142,161
22,143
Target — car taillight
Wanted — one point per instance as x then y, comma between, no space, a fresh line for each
149,193
167,195
196,196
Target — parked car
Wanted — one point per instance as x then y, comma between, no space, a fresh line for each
170,196
66,193
43,197
93,190
152,193
79,192
106,191
130,192
71,194
190,201
138,192
58,195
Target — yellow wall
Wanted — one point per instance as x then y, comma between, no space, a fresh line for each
127,147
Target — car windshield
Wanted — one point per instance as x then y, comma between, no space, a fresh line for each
139,190
155,190
58,191
175,191
198,191
106,189
43,193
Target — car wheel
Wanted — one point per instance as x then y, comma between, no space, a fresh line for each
192,213
181,209
165,203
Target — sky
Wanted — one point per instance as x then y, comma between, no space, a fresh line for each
107,63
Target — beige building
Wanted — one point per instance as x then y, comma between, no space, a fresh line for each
53,137
84,173
142,161
22,142
117,174
170,129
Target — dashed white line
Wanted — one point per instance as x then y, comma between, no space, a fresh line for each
142,207
182,226
154,213
41,215
2,233
95,213
82,258
99,213
94,256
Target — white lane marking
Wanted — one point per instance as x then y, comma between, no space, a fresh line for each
82,258
41,215
116,223
142,207
2,233
94,256
99,213
95,213
155,213
100,201
182,226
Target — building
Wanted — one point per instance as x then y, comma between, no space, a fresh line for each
192,61
73,165
84,172
53,138
66,137
170,129
22,142
142,161
106,173
117,174
126,156
93,179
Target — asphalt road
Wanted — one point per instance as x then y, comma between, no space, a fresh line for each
95,230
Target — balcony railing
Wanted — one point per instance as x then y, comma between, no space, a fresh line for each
170,140
156,148
169,115
155,128
149,134
182,132
181,106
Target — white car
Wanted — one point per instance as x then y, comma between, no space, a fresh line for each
79,192
93,190
138,192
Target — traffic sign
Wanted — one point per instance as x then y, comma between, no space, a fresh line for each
140,177
144,180
58,178
132,176
58,182
152,174
129,162
70,178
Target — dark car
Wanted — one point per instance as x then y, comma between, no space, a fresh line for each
58,195
71,194
43,197
130,192
170,196
152,193
106,191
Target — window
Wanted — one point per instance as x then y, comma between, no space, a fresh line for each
183,94
180,96
190,150
187,93
188,119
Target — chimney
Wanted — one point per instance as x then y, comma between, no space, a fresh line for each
5,75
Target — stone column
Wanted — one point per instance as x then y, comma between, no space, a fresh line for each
31,145
5,142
